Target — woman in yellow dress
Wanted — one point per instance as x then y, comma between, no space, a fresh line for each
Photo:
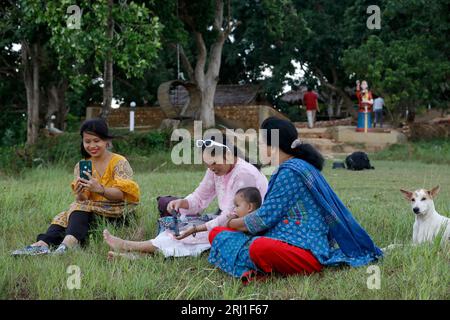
109,192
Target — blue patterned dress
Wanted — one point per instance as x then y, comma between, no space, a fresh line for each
290,213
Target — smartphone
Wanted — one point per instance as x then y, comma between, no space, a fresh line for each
85,165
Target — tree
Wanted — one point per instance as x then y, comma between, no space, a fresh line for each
209,23
21,24
268,37
323,46
13,105
264,33
125,35
407,63
55,56
274,34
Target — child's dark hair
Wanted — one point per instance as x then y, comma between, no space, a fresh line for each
97,127
287,135
251,195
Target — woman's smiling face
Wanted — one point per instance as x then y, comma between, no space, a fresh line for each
94,145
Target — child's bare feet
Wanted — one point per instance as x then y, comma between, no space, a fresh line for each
113,242
112,255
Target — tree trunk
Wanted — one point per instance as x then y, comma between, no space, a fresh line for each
346,101
330,107
108,65
207,105
57,104
339,102
207,81
31,67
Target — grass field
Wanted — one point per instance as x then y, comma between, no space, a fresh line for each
28,203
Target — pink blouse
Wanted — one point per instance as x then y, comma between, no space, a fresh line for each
224,187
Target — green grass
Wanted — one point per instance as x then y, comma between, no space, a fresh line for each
28,202
435,151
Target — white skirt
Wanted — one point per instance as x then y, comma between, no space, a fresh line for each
189,246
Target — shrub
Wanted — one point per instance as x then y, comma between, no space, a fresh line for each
64,149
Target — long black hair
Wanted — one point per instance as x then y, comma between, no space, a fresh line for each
97,127
287,135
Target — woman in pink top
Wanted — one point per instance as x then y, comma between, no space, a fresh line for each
226,173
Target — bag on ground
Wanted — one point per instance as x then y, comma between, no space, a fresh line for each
358,161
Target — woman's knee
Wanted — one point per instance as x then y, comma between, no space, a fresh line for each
259,248
78,224
215,231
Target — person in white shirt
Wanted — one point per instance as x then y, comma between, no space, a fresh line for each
378,105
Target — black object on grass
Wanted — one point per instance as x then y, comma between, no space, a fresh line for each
175,223
338,165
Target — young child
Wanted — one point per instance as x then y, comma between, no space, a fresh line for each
246,200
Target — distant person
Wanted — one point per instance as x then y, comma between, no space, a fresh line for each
312,106
378,105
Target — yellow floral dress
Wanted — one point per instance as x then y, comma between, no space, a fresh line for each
118,174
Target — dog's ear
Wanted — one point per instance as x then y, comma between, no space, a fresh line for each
434,192
407,194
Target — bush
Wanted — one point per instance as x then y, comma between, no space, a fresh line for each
142,144
13,129
64,149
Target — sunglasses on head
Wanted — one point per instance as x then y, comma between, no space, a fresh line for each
210,143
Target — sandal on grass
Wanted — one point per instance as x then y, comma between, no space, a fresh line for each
62,249
31,251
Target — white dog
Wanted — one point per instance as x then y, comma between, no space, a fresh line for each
428,222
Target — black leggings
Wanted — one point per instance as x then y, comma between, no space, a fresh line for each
78,226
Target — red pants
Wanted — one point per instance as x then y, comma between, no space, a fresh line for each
271,255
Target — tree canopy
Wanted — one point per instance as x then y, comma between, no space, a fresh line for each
50,66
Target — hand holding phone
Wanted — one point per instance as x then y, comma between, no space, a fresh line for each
85,165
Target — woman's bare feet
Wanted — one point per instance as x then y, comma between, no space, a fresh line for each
117,244
113,254
113,242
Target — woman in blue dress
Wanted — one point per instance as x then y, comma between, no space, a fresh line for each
302,225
